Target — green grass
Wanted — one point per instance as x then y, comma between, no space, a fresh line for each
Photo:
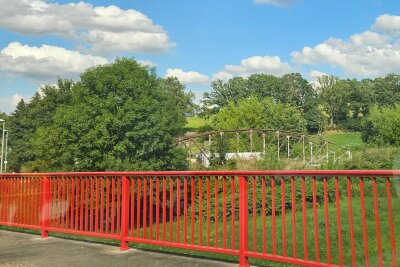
194,123
322,246
352,139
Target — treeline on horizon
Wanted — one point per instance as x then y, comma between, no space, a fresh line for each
122,116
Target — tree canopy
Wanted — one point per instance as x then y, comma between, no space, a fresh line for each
119,116
263,113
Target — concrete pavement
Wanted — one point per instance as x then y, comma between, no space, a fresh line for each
28,250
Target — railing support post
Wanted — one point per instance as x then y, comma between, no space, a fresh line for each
45,206
243,222
125,213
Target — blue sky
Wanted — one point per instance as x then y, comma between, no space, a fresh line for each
196,41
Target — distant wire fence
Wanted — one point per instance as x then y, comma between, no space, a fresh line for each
305,150
308,218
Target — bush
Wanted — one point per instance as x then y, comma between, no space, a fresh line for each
382,126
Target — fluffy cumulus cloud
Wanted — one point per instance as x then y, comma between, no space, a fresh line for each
45,61
104,29
188,77
315,74
387,23
280,3
256,64
367,54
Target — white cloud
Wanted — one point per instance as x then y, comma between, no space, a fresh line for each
313,76
256,64
279,3
105,29
8,103
148,63
45,61
188,76
388,24
367,54
222,75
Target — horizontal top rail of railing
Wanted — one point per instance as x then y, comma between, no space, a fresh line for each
327,173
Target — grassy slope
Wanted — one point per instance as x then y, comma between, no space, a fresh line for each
194,123
351,139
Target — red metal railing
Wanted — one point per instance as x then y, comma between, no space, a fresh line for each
309,218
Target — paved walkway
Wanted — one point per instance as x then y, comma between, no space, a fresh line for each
27,250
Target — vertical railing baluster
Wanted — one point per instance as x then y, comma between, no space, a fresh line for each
294,240
377,223
350,209
304,211
45,206
125,213
243,221
315,215
390,214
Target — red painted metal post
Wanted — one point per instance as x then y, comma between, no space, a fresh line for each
243,221
293,218
377,223
273,215
315,215
350,208
390,213
304,211
264,221
364,224
283,213
233,229
46,200
125,213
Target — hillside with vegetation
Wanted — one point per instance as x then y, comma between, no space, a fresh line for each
122,116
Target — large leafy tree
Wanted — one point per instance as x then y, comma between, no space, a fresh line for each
184,100
259,113
333,96
298,92
382,126
28,117
224,92
387,90
122,117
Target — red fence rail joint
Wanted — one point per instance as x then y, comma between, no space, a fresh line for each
311,212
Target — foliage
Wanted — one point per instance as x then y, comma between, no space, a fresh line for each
28,117
220,148
382,126
117,117
255,113
183,100
269,160
370,158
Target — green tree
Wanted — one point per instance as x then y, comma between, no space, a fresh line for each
28,117
298,92
255,113
333,95
265,85
222,93
382,126
387,90
122,117
177,90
